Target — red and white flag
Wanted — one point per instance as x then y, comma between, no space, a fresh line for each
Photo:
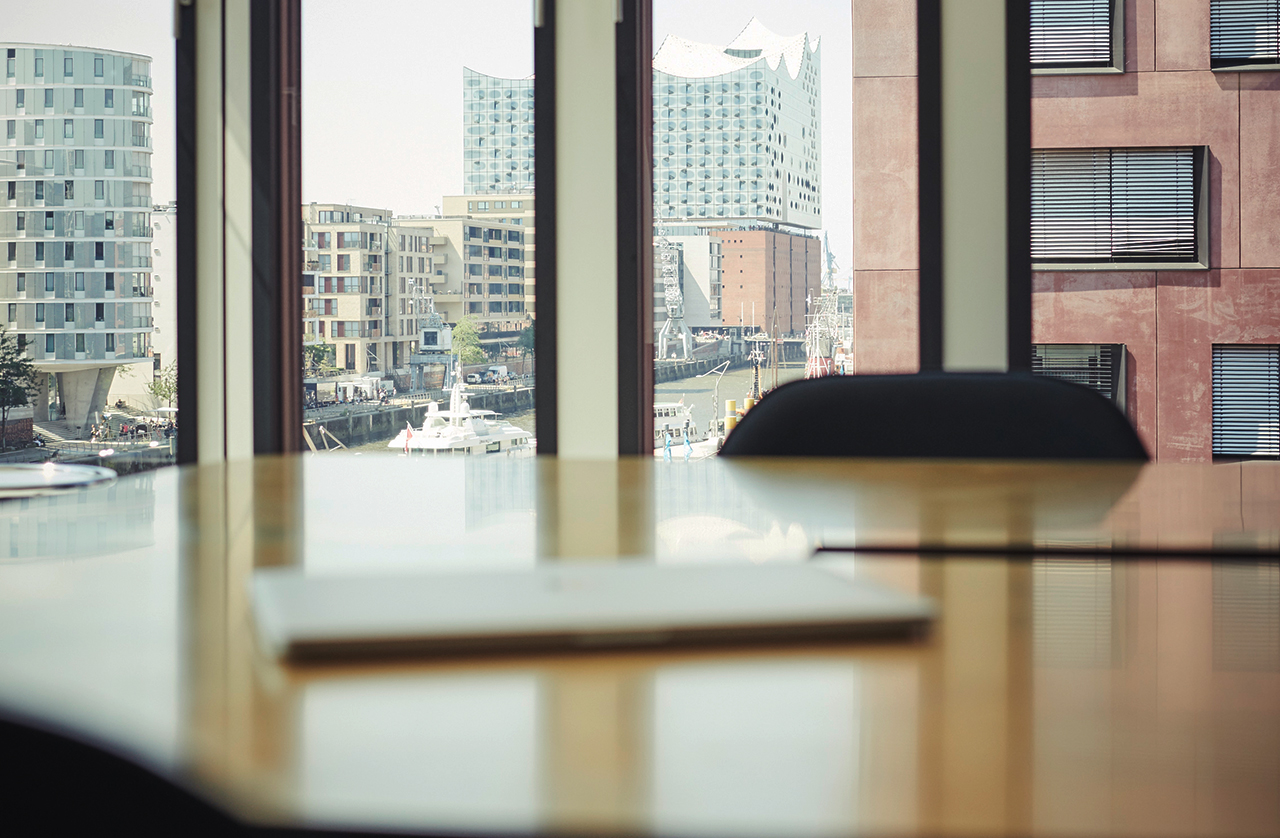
408,435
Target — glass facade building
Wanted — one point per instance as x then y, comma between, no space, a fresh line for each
75,264
737,130
497,136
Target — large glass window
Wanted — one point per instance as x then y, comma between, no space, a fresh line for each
421,242
753,198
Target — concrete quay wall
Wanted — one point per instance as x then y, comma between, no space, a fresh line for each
666,371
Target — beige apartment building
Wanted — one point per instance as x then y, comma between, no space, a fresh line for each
514,208
477,271
350,289
370,278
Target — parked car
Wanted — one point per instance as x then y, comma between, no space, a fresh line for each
473,378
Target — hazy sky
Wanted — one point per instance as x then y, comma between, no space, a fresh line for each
382,83
392,136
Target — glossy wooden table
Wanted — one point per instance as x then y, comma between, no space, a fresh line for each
1062,694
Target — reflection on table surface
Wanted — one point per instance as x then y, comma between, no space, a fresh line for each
1057,694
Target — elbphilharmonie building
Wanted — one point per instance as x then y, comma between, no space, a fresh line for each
737,131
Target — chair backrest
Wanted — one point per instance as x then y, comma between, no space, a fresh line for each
935,415
56,784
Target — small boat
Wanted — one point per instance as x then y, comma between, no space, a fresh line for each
461,430
673,427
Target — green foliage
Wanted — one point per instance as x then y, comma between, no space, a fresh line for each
466,342
525,343
17,379
164,387
318,359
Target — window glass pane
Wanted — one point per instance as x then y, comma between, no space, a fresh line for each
418,313
104,220
753,182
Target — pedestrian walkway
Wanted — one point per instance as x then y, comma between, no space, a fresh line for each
58,431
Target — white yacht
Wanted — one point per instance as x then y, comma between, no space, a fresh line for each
674,421
461,430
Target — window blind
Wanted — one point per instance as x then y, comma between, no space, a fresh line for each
1244,32
1113,205
1246,616
1096,366
1071,612
1246,400
1071,33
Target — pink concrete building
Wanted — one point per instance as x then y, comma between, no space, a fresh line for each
1168,316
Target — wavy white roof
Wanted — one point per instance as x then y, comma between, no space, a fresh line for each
690,59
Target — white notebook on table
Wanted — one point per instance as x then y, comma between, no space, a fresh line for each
564,606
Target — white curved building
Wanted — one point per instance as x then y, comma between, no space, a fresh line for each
737,130
497,134
75,234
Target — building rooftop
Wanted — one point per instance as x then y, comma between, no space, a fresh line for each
104,51
690,59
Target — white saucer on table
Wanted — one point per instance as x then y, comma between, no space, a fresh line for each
22,480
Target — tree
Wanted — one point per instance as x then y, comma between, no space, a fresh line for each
466,342
17,380
164,387
317,359
525,343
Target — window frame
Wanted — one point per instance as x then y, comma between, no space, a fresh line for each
274,79
1201,186
1272,394
1245,66
1117,64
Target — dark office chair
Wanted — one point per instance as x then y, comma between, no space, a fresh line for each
931,415
53,784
